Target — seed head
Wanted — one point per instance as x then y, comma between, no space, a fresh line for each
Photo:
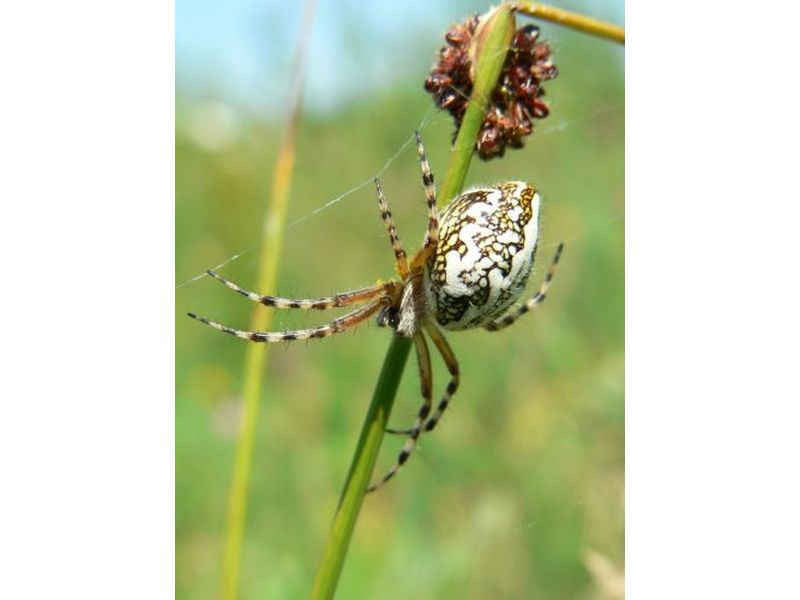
514,103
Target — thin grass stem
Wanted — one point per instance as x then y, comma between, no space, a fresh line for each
256,354
572,20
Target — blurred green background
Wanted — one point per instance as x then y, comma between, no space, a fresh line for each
519,491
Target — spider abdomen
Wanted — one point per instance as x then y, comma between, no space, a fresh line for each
486,247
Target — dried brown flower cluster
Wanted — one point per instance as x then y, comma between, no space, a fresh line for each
516,100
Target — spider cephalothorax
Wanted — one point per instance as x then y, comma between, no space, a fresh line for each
474,263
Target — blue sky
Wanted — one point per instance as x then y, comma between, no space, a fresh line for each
240,51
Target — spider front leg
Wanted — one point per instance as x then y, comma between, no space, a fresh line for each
400,257
426,387
537,298
431,235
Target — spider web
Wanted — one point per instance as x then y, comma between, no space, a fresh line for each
429,118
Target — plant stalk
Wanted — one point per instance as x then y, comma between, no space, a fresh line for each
498,29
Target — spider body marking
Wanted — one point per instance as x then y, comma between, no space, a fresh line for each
487,244
475,261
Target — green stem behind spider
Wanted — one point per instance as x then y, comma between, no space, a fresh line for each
497,34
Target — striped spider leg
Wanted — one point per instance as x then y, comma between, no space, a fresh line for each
426,389
378,297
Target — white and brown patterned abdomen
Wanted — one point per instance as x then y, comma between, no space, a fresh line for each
487,243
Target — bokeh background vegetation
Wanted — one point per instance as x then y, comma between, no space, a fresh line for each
519,491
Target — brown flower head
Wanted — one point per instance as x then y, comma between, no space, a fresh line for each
517,99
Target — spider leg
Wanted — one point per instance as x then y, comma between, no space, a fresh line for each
400,257
337,300
426,387
452,367
538,298
431,235
339,325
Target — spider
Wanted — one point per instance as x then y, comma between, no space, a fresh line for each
474,263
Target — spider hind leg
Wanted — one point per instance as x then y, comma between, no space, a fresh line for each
538,297
452,367
426,387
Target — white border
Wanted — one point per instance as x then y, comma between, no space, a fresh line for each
87,426
711,318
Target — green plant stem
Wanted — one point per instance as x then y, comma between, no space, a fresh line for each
256,354
572,20
497,30
369,442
